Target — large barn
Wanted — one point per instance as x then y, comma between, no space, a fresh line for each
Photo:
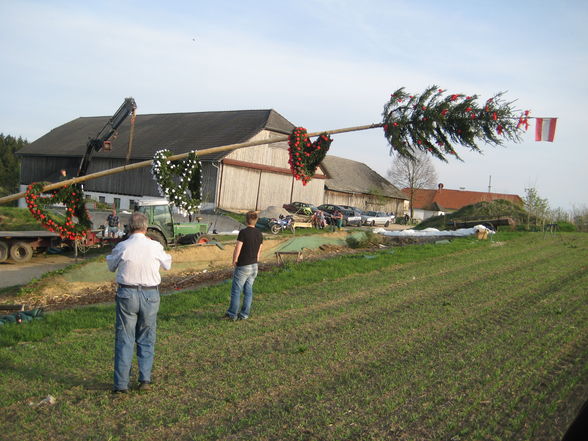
248,178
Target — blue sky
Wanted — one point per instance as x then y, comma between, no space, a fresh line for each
322,64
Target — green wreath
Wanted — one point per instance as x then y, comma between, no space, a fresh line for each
305,156
72,197
175,178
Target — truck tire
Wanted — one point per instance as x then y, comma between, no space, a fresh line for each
21,252
156,236
3,251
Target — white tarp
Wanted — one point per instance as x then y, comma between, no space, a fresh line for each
462,232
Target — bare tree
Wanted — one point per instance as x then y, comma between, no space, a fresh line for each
536,206
413,173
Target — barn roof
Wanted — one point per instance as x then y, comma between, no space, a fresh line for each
348,176
178,132
446,199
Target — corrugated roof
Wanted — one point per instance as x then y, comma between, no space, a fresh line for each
446,199
178,132
350,176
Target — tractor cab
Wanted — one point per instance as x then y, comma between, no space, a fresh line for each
163,229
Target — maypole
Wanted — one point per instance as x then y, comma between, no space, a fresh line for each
432,122
181,156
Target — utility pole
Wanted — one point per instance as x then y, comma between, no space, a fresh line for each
490,184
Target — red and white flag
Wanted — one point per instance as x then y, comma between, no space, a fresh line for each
545,129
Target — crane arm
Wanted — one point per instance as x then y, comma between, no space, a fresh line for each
97,143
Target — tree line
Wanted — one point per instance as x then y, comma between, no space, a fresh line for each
10,163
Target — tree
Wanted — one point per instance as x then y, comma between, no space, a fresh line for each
9,163
413,173
536,206
580,217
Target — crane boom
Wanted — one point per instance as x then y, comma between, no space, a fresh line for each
97,143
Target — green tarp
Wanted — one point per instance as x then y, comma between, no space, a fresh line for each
21,316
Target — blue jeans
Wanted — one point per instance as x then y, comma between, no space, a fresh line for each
243,278
136,322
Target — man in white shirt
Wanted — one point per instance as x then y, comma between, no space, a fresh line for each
137,260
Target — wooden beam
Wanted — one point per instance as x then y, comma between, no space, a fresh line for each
180,156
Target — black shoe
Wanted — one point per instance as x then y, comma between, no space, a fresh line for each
120,391
228,317
144,386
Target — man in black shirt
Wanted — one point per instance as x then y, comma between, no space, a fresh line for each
245,258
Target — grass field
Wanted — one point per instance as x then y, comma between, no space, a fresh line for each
469,340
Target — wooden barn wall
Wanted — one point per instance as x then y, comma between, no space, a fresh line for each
41,168
313,192
209,177
138,182
238,188
365,201
267,154
274,189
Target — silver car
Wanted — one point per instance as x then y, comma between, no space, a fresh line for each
374,218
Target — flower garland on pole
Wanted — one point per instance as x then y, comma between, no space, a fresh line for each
72,197
305,156
166,172
434,122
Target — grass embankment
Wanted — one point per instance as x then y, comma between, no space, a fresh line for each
18,219
468,340
497,209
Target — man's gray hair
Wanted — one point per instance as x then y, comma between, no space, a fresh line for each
138,222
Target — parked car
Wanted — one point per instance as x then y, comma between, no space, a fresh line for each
300,208
374,218
350,217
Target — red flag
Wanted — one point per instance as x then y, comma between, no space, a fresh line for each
545,129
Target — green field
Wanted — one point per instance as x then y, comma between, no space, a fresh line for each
471,340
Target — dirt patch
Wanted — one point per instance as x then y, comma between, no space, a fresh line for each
193,266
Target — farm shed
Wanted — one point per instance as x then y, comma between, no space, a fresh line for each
253,177
354,183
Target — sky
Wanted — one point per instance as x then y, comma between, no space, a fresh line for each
322,64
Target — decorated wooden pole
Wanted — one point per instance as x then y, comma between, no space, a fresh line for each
433,122
180,156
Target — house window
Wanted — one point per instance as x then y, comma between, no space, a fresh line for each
131,204
102,199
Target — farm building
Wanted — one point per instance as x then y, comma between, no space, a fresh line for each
354,183
248,178
433,202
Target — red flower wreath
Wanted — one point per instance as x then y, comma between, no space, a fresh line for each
305,156
72,197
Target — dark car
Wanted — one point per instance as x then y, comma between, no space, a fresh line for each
300,208
350,217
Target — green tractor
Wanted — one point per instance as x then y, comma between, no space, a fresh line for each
164,230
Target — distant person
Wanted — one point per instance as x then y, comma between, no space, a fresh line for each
318,219
406,218
113,224
337,218
63,175
245,258
137,261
